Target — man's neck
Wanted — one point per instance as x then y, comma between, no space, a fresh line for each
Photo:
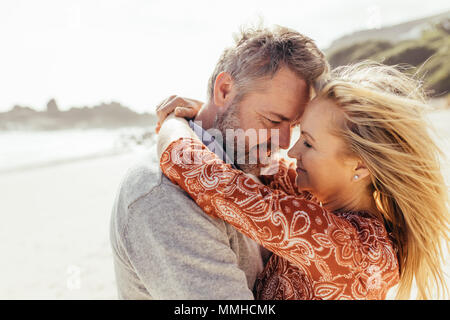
206,116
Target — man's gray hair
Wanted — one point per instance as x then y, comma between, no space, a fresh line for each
260,52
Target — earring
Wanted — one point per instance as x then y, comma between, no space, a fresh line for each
356,177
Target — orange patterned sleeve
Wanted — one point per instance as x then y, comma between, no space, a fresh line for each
284,180
299,230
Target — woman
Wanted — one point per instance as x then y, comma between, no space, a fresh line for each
366,156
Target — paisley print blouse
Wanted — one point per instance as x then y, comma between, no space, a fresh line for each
317,254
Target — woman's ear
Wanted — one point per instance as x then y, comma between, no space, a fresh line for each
360,171
223,88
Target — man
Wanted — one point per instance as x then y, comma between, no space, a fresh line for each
164,246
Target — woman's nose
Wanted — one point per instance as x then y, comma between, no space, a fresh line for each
294,152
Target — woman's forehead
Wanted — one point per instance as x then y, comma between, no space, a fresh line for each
321,110
321,118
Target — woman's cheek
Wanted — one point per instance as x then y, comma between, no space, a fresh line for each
315,171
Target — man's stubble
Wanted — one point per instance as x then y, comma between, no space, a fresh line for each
230,120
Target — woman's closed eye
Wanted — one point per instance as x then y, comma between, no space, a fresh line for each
305,142
306,138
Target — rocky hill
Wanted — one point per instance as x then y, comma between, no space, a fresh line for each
423,44
105,115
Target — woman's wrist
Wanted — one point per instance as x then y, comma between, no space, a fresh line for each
171,130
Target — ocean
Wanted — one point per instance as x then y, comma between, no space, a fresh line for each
25,150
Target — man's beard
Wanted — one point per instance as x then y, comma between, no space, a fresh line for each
230,120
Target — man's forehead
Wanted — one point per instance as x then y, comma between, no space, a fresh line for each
284,109
286,102
283,117
284,81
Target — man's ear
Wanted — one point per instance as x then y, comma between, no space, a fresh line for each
223,89
360,171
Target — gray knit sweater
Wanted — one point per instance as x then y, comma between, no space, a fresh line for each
165,247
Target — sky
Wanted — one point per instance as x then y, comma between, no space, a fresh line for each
138,52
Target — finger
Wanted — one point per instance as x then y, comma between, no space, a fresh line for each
185,112
196,103
169,106
164,102
162,115
164,112
173,102
167,109
161,109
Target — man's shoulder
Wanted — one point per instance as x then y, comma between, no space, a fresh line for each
143,179
149,203
144,185
139,180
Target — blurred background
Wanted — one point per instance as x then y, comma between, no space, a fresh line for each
79,82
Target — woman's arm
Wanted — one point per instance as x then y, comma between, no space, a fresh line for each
283,179
347,249
173,128
290,226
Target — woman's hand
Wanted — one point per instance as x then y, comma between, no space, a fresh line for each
182,107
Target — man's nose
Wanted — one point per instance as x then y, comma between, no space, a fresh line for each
285,136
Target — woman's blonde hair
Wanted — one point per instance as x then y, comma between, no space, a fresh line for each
385,127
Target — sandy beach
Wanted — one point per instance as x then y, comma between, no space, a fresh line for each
54,238
54,235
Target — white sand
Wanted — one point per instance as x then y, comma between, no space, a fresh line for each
54,235
54,231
